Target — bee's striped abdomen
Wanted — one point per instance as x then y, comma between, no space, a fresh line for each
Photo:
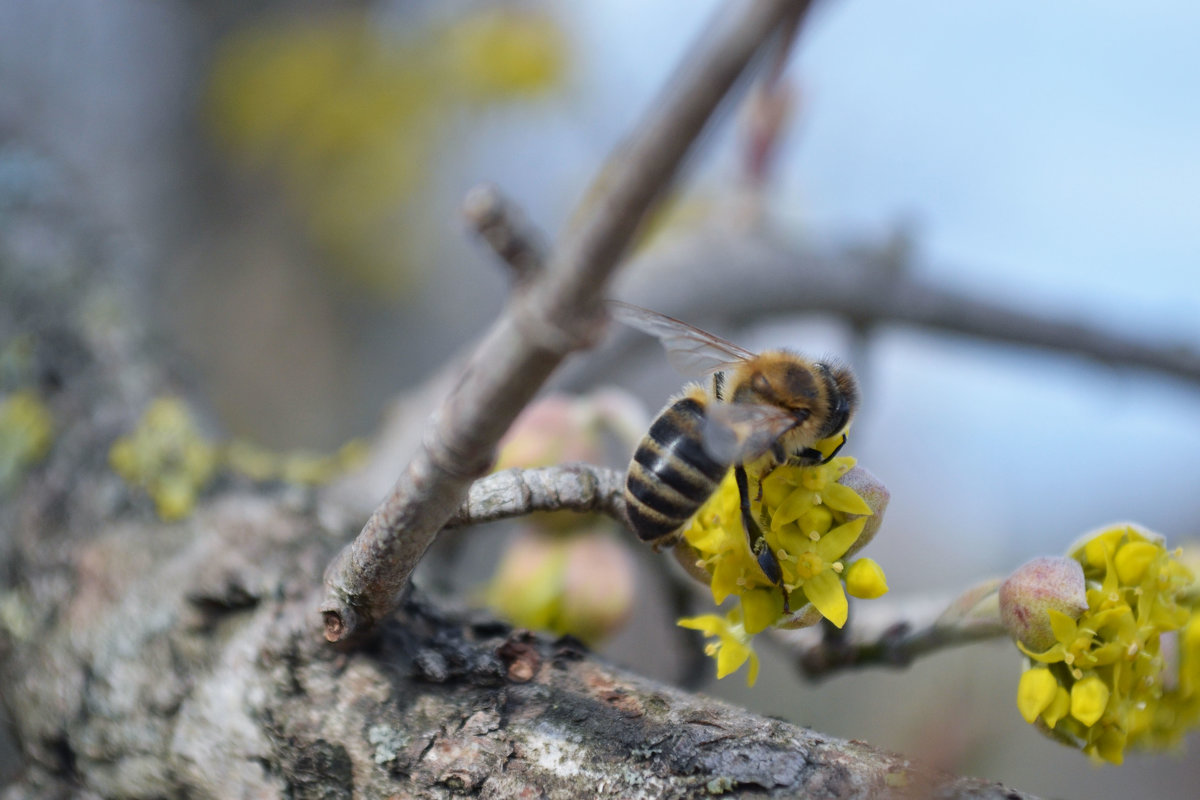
670,475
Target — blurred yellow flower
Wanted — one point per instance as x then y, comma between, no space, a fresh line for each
505,51
26,433
578,582
352,117
167,457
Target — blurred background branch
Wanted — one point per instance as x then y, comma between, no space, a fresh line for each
738,276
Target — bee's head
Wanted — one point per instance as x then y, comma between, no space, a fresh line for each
822,396
779,378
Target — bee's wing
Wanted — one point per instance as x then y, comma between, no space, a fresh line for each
737,432
691,351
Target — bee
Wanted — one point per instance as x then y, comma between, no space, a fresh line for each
768,408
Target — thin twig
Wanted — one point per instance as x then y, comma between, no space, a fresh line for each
516,492
890,633
559,312
502,225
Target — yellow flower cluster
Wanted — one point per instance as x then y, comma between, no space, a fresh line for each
1126,672
170,459
167,457
352,117
26,433
813,523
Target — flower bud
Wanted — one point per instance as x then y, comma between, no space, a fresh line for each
527,585
598,592
865,579
876,494
1028,595
547,432
579,583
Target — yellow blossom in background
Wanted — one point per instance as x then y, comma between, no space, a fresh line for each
1125,671
26,433
303,467
501,52
352,116
167,457
578,582
811,521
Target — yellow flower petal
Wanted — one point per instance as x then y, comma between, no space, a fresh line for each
1035,692
832,545
1058,708
1064,627
777,486
1110,746
708,624
865,579
817,519
731,656
825,592
762,608
843,498
729,576
1096,551
1088,699
752,673
1133,559
795,504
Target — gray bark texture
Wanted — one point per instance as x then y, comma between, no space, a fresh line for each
140,659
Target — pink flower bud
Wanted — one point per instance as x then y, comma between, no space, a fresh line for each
599,587
1045,584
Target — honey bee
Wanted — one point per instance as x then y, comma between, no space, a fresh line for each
768,408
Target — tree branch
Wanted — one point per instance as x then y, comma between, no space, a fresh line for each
895,632
516,492
558,313
690,277
502,225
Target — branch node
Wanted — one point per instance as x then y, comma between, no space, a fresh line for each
502,225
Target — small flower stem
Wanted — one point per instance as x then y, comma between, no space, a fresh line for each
891,633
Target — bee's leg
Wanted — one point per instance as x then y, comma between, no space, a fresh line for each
780,458
762,551
814,457
836,450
